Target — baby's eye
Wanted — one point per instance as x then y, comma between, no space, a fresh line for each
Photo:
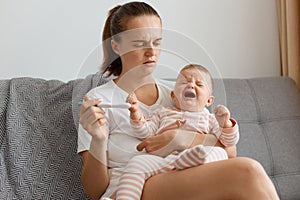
200,84
183,82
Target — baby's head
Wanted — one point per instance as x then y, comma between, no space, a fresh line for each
193,89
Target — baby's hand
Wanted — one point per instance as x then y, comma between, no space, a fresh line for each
133,101
223,116
131,98
134,109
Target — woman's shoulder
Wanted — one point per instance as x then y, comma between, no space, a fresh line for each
108,84
165,87
166,84
102,90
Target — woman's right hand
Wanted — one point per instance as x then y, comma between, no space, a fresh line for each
94,175
92,118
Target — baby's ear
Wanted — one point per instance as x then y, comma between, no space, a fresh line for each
172,95
210,101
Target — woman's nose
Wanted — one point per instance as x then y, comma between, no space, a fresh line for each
149,51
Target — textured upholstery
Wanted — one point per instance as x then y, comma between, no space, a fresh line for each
38,135
268,112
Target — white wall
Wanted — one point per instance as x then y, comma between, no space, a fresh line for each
58,39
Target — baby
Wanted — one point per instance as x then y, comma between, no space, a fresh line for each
191,94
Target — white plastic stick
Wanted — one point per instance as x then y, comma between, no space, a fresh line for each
106,105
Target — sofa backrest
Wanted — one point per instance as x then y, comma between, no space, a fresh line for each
268,113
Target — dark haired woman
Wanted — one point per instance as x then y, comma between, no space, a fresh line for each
131,44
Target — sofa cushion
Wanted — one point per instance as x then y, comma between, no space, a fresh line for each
268,113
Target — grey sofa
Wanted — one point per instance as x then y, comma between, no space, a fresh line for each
38,137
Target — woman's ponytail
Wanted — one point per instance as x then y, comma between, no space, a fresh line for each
111,61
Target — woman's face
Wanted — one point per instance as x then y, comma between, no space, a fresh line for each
139,46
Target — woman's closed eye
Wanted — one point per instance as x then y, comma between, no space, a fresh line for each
157,43
139,44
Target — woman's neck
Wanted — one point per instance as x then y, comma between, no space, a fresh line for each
147,94
144,88
132,84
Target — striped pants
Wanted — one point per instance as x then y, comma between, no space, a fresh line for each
142,167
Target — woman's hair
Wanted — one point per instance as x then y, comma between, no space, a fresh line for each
115,24
201,69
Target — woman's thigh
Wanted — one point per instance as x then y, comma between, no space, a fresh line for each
216,180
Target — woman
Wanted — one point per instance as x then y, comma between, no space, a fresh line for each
131,44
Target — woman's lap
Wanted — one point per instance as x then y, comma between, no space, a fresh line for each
209,181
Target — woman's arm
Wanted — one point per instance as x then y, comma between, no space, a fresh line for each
178,139
94,172
94,176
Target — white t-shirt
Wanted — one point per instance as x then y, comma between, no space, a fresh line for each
121,146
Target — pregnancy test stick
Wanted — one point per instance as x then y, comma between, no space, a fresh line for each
106,105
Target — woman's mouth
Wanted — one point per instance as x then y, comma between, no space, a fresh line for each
148,62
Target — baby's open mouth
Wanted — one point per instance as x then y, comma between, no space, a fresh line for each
189,95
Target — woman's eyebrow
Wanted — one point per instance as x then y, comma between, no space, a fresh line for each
141,40
138,40
158,39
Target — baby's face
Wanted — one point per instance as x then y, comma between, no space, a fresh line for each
192,91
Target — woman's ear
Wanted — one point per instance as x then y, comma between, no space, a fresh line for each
115,47
210,101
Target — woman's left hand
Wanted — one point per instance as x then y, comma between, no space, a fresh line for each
159,144
177,140
171,140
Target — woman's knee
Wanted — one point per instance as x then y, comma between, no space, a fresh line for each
251,170
258,182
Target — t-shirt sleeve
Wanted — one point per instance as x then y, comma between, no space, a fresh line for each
230,136
227,136
84,140
145,128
